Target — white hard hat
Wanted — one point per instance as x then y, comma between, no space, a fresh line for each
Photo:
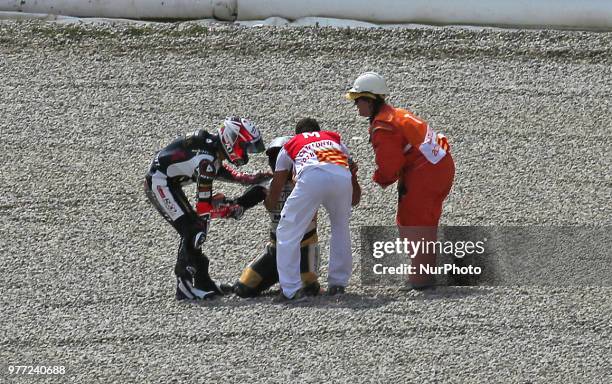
369,84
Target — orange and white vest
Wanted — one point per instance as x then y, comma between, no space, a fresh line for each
418,133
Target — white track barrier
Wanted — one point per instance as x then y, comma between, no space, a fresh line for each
577,14
130,9
592,14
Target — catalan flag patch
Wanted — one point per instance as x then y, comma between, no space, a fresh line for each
334,156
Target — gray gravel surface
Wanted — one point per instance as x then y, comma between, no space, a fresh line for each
86,264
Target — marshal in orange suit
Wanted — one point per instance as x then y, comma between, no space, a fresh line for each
407,151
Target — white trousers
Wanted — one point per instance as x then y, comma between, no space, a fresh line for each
315,186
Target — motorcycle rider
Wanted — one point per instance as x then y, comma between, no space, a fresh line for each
198,157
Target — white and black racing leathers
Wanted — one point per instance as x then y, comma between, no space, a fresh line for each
194,157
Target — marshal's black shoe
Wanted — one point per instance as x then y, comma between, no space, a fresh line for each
298,297
334,290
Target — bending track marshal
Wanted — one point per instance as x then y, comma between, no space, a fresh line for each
320,162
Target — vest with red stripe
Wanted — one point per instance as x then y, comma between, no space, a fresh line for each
316,148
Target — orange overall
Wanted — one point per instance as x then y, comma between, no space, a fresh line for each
406,149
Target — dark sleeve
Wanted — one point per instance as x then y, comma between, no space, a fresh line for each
252,196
